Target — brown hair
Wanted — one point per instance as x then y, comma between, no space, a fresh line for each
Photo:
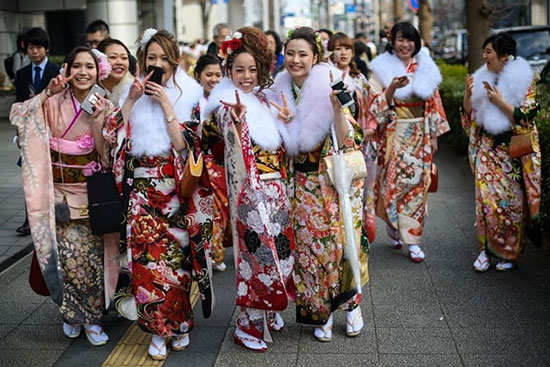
168,43
255,43
307,34
342,39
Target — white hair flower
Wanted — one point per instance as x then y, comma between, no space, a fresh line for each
147,35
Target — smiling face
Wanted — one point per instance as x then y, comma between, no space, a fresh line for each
86,72
494,62
156,56
299,59
118,58
244,72
342,56
210,76
403,47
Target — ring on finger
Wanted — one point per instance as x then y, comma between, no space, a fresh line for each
237,120
288,118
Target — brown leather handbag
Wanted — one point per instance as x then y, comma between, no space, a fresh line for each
522,144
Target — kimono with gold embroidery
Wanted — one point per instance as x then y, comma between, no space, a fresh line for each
405,127
321,273
508,190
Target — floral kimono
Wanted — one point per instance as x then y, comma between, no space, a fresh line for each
58,151
148,171
503,185
321,273
258,205
405,127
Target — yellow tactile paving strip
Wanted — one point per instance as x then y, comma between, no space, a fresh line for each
131,350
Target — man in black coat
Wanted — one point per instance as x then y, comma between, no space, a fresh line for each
32,79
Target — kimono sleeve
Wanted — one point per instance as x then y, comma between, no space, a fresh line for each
527,110
437,116
114,121
379,110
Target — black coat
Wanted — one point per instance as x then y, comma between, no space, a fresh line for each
24,76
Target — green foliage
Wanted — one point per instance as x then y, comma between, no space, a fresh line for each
452,93
543,125
58,59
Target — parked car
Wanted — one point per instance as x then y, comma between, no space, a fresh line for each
533,44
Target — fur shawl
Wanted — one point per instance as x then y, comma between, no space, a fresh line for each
120,89
149,135
264,129
313,114
513,82
425,79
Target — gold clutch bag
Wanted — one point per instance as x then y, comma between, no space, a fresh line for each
522,144
192,172
354,161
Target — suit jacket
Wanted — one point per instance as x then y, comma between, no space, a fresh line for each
24,76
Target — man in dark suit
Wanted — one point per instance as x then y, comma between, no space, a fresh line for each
33,78
220,31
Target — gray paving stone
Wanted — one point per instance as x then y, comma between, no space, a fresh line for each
415,341
486,317
21,358
420,360
86,357
364,342
503,340
409,316
502,360
186,358
332,360
255,359
16,312
35,337
45,314
285,341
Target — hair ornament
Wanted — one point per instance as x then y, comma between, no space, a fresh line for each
320,47
511,57
230,45
103,64
191,71
147,35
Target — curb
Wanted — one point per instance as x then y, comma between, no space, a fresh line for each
16,257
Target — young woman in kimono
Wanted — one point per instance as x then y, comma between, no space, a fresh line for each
210,196
258,203
60,146
120,77
321,272
148,166
343,55
499,102
408,111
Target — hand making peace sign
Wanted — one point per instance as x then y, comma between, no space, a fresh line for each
284,112
60,82
237,109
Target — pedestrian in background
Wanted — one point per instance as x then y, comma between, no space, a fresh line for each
20,57
499,104
276,47
219,33
409,115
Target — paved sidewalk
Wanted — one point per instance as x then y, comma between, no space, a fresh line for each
437,313
12,207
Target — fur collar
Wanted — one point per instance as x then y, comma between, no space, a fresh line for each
120,88
264,129
425,79
313,114
149,135
513,82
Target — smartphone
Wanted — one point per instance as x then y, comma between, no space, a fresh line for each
157,74
91,99
403,78
345,98
487,85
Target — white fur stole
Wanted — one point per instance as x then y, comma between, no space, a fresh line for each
424,81
512,82
264,129
149,135
313,114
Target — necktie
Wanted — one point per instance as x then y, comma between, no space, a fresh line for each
36,80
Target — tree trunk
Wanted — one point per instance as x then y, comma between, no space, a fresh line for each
397,11
477,25
426,21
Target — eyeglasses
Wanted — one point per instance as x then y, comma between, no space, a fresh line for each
92,43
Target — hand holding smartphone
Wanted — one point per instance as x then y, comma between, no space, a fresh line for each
344,97
487,85
157,75
91,99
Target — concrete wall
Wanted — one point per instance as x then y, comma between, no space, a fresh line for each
540,12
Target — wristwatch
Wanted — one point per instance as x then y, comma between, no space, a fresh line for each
170,119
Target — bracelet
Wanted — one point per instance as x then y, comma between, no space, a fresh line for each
48,92
170,119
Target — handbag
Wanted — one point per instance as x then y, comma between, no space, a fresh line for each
354,160
192,172
434,176
36,279
104,206
522,144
